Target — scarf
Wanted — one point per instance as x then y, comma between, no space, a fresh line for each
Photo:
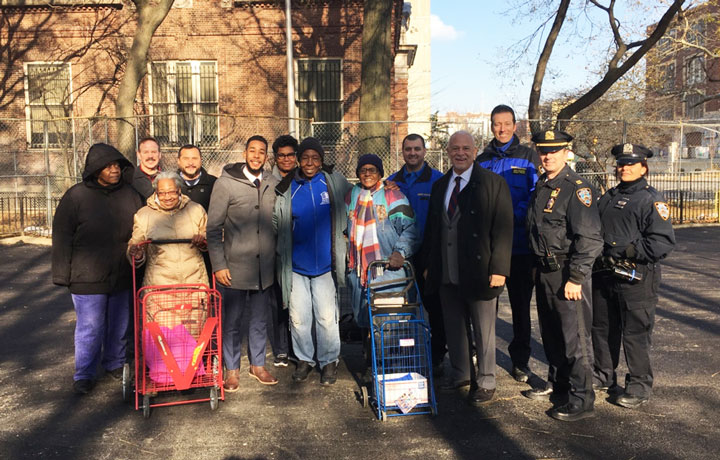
364,243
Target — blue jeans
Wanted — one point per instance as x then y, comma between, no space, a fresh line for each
102,320
313,301
244,311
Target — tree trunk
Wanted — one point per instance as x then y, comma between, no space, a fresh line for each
150,14
534,104
375,80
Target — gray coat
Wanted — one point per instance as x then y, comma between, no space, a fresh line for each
338,186
243,214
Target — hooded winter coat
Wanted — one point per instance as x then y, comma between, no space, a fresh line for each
176,263
91,228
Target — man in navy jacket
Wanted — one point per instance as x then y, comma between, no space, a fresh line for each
517,164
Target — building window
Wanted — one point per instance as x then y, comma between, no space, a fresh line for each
184,102
668,77
694,110
48,104
695,70
319,95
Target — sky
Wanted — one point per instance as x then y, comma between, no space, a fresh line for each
472,65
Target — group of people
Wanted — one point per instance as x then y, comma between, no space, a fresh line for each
282,242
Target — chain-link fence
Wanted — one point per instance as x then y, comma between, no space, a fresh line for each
40,160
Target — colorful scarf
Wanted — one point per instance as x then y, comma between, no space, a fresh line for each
364,243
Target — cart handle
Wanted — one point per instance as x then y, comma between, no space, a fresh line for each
165,241
407,266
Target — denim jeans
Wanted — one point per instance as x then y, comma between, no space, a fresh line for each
102,320
313,301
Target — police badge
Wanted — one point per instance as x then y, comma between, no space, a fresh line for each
585,196
663,209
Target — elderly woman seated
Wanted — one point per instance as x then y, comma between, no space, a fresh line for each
381,225
170,215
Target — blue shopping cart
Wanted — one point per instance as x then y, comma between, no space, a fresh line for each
402,377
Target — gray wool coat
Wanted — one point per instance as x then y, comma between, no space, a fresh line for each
243,214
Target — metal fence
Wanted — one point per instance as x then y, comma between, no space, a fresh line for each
40,160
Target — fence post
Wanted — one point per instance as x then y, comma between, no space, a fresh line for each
625,125
48,199
107,135
682,206
22,214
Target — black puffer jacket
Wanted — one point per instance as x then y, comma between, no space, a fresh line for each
91,228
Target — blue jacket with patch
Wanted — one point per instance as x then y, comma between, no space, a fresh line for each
311,225
418,193
518,165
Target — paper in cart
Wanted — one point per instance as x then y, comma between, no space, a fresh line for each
407,401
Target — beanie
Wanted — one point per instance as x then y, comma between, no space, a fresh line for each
310,143
370,159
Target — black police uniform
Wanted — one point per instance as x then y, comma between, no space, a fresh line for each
564,235
637,229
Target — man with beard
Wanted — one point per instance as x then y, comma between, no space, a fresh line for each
196,182
241,242
148,154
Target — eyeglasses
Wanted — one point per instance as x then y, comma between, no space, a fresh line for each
368,171
174,192
284,155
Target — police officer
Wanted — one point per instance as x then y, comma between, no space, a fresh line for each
564,234
638,233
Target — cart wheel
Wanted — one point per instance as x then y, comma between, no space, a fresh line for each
126,383
146,406
213,398
364,395
383,416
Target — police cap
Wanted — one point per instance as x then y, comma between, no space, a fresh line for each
551,141
626,154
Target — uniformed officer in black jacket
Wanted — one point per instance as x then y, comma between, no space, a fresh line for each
564,234
638,233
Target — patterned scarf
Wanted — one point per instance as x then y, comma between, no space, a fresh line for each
364,243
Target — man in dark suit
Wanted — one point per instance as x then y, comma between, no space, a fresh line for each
468,245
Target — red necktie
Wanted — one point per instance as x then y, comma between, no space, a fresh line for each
452,204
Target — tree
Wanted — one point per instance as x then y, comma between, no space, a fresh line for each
623,58
375,79
150,14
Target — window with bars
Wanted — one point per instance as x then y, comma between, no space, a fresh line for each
695,70
319,95
184,101
48,104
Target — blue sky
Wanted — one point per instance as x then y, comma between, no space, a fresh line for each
470,46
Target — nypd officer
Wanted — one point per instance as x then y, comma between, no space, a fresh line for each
564,234
638,234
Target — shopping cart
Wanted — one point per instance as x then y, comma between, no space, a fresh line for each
402,377
178,344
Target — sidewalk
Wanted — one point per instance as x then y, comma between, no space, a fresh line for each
39,415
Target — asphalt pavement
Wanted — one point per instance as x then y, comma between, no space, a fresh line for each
41,417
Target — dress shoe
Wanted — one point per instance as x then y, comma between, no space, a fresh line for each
83,386
329,374
232,380
302,371
521,373
631,401
262,375
451,386
571,413
479,396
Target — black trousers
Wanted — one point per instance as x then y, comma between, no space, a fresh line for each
279,324
520,287
624,314
565,331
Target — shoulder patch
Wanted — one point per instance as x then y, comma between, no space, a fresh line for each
663,209
578,182
585,196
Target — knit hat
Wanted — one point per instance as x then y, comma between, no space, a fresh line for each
370,159
310,143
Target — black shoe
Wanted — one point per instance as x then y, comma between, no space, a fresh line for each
631,401
479,396
521,373
451,386
281,360
116,374
329,374
571,413
83,386
302,371
539,394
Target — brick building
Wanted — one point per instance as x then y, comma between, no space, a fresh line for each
65,58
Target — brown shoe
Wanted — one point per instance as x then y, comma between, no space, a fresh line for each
262,375
232,380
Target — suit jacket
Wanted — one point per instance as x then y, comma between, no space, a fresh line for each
485,234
